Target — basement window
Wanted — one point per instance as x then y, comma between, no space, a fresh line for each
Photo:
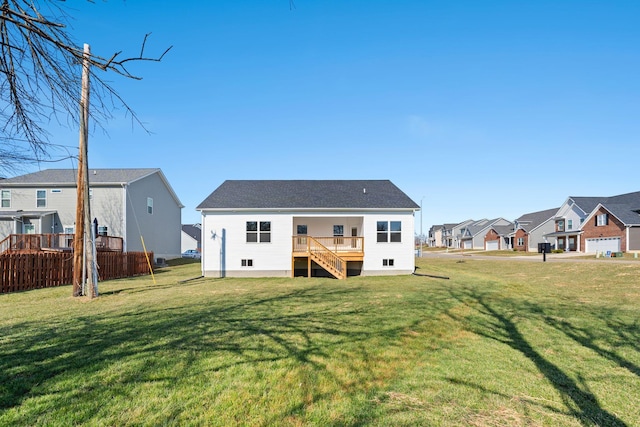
387,262
246,263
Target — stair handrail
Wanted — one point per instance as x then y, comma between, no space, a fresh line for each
328,257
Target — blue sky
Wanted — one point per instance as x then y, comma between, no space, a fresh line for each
474,109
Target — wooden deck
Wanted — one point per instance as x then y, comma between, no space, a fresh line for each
330,253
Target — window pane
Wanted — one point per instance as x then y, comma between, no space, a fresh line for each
41,194
396,226
382,237
252,226
396,237
265,225
265,237
302,229
252,237
338,230
382,226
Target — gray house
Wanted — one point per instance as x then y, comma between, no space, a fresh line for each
127,203
472,235
533,228
451,233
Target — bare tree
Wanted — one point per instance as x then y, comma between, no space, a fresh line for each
40,77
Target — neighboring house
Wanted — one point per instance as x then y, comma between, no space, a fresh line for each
598,224
435,236
453,232
127,203
307,228
190,237
497,238
531,228
472,235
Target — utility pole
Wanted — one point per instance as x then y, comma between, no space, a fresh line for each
421,235
83,242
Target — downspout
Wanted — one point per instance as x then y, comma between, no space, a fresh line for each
124,217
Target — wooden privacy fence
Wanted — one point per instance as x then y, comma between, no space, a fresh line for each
26,271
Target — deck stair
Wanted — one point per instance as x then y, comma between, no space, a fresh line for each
327,259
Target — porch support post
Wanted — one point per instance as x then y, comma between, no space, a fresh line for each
309,266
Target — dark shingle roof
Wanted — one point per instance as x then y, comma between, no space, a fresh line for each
69,176
192,230
503,230
587,204
307,194
623,206
628,216
532,220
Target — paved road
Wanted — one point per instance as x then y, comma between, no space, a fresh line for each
564,257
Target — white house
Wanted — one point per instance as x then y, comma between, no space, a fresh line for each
190,237
127,203
307,228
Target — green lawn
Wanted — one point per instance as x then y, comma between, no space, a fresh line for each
500,343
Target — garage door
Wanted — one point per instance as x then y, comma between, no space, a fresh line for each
492,245
467,244
603,244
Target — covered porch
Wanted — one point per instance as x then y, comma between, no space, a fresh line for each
567,241
320,246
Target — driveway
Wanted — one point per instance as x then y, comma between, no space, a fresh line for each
563,257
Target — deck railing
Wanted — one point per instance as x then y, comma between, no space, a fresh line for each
334,244
43,242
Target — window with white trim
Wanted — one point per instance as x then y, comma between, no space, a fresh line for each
41,198
389,231
149,205
258,232
560,225
6,198
520,241
569,224
602,220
